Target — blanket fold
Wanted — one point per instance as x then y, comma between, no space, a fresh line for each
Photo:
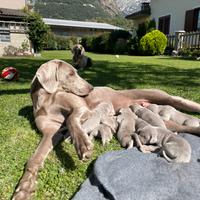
132,175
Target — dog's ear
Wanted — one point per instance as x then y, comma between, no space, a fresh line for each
47,76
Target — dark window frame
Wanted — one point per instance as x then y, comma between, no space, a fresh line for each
164,24
192,20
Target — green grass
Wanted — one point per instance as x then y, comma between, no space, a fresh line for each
63,173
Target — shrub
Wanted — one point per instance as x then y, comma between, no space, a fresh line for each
50,43
185,52
54,42
114,42
153,43
120,46
37,30
196,53
86,41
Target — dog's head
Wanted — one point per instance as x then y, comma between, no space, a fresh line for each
57,74
78,50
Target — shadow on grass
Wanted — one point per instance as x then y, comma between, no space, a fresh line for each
119,75
128,75
27,67
64,157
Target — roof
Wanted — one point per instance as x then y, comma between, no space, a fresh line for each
144,12
79,24
141,13
6,13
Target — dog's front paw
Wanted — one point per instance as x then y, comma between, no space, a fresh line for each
26,187
83,146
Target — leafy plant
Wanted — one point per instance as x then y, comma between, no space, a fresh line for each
37,30
153,43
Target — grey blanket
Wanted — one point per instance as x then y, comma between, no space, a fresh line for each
132,175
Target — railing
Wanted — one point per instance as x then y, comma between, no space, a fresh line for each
16,27
181,39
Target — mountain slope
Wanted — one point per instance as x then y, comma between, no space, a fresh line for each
71,9
110,11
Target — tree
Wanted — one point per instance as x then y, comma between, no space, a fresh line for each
37,30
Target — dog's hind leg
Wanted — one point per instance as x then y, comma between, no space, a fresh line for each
185,104
175,127
27,184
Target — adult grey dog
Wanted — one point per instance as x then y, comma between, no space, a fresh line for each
60,97
80,61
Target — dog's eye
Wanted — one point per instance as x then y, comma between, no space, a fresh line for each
71,73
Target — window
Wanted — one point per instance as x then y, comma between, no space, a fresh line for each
198,20
4,36
164,24
192,20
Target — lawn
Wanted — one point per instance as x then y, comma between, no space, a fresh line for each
63,173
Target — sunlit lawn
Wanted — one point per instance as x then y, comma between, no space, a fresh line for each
63,172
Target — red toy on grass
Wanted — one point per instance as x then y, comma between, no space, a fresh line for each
9,73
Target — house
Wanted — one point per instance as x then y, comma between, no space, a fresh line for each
142,15
78,28
172,15
12,26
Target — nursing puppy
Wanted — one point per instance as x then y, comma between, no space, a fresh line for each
169,113
101,123
152,131
80,61
172,147
147,115
126,129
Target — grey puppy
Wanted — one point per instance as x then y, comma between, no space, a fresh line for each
80,61
101,123
151,131
126,129
172,147
147,115
169,113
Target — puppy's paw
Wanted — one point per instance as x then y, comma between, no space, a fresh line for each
83,146
105,133
126,142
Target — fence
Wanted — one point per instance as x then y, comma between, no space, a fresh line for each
181,39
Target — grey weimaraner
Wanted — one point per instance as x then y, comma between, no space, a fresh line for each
80,61
101,123
147,129
60,97
171,146
126,130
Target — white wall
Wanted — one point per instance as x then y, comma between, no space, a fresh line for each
12,4
175,8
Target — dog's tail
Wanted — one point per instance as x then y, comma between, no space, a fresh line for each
163,153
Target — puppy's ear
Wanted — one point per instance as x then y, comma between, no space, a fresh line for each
47,76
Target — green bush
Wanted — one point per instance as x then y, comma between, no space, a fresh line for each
54,42
120,46
114,42
196,53
153,43
86,41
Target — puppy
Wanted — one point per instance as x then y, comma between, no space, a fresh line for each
172,147
147,115
101,123
169,113
126,130
80,61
